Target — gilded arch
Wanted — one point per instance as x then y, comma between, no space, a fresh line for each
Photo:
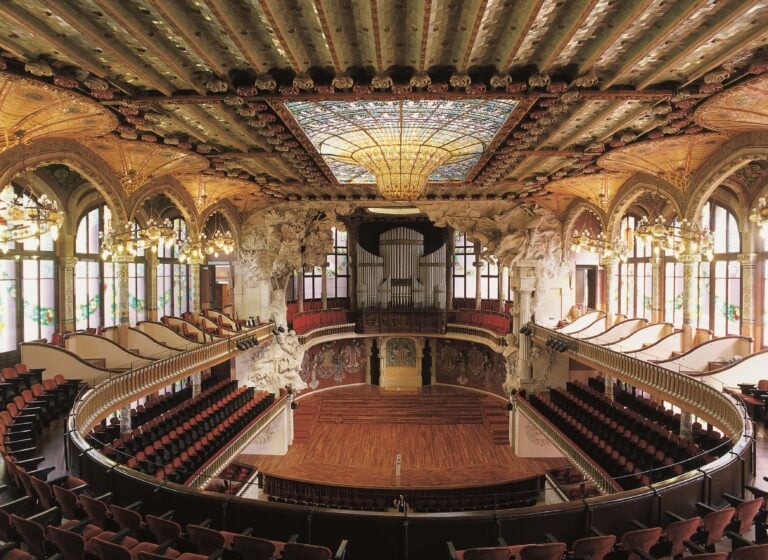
229,213
631,191
177,194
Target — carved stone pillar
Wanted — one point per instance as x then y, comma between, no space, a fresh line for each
123,298
609,386
478,264
748,261
67,311
194,288
686,424
449,268
125,419
657,305
300,290
502,278
611,290
197,382
324,286
690,264
524,281
151,279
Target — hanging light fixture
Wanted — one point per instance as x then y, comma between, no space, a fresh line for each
201,198
127,240
119,242
683,239
192,252
220,241
22,216
759,216
599,245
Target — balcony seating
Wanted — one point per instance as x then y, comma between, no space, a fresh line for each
292,308
310,320
490,320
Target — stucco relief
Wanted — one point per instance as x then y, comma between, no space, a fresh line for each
277,364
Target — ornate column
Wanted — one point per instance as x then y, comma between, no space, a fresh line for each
124,415
608,386
300,290
690,264
611,289
524,282
67,310
502,277
197,383
478,264
686,424
657,304
150,277
324,286
352,233
123,297
448,268
194,287
748,262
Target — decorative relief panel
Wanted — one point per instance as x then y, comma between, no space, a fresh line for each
334,363
470,365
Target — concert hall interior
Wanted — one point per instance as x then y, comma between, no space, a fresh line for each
384,279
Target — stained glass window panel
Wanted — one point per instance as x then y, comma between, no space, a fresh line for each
7,305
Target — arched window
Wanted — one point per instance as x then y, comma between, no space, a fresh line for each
719,281
96,281
173,277
465,254
673,288
635,275
337,271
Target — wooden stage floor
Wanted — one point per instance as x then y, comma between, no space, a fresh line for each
351,435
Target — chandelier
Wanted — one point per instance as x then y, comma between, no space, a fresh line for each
759,216
401,165
683,239
599,245
192,252
22,217
220,241
125,240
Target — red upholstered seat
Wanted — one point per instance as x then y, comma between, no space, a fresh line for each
642,539
485,553
255,548
680,531
756,552
594,547
714,524
300,551
745,514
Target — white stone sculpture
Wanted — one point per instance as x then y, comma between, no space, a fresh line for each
278,364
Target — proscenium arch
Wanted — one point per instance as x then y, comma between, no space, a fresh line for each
737,153
39,153
176,193
633,189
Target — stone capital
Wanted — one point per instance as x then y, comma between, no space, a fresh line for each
747,259
67,262
689,259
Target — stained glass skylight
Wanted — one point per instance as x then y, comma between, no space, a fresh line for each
341,130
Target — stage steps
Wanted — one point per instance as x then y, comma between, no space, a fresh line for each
402,408
496,415
304,419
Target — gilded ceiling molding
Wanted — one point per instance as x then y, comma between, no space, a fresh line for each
741,108
631,191
90,166
734,155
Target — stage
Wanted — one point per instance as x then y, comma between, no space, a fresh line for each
446,437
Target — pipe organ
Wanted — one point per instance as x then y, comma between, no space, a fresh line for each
402,276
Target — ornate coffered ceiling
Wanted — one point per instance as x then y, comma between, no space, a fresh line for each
217,77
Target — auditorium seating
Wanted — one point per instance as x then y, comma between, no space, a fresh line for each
631,448
292,308
310,320
175,444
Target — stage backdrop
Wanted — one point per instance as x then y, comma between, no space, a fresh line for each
469,365
334,363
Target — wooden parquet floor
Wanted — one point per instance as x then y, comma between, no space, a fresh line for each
438,449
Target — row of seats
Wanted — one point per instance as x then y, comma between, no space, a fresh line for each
670,443
310,320
496,322
572,483
697,535
292,308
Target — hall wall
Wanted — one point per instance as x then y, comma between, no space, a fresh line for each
332,364
469,365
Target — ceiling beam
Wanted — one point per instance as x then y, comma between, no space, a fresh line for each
589,123
650,39
223,13
625,17
84,25
473,35
182,26
528,10
569,20
564,124
425,34
323,19
376,34
722,19
279,36
741,43
131,22
42,31
207,120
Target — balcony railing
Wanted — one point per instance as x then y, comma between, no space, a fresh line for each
123,388
601,479
686,392
219,462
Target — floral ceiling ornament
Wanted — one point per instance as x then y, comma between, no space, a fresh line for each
420,80
265,82
343,82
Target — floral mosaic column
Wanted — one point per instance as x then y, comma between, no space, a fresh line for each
151,276
690,265
324,286
67,311
125,419
611,290
196,383
123,298
657,305
194,287
686,424
748,262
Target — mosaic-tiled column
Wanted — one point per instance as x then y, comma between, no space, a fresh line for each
123,298
690,265
657,304
194,287
67,320
748,262
686,424
151,293
125,419
611,290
